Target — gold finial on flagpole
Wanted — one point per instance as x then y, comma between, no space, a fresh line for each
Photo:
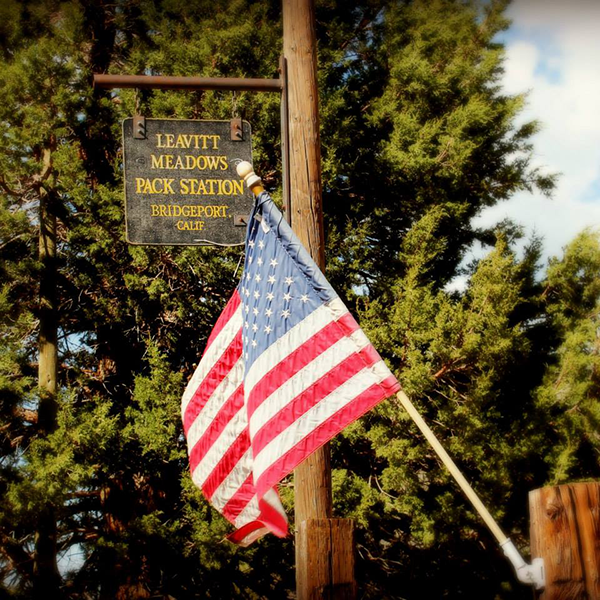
253,181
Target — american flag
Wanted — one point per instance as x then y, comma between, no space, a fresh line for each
286,368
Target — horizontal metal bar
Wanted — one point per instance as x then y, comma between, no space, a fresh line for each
160,82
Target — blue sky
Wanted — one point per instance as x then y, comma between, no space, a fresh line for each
553,54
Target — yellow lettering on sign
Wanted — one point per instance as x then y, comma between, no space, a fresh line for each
200,187
211,187
190,225
216,211
158,185
238,186
158,162
189,162
183,140
212,161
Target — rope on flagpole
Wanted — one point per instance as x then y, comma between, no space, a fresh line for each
531,574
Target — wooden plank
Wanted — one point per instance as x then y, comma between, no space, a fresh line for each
299,49
565,523
587,510
327,572
342,570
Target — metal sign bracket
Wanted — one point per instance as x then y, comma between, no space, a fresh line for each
139,127
237,133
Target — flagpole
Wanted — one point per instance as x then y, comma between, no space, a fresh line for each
340,531
531,574
252,180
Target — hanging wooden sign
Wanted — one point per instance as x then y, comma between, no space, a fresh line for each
181,186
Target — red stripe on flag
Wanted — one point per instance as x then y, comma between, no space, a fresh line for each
212,380
273,519
269,517
299,358
312,395
237,537
325,431
228,461
228,312
240,499
234,403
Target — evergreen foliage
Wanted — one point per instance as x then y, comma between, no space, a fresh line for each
417,139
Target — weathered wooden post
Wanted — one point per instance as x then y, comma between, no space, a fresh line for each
324,546
565,532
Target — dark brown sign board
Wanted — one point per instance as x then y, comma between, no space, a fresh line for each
181,186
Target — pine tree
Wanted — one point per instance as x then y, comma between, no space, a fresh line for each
569,392
434,129
115,498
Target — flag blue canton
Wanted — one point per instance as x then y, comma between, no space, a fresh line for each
281,285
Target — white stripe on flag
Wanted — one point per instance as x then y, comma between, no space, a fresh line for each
228,436
249,514
271,497
218,346
380,370
232,483
294,338
221,394
303,379
314,417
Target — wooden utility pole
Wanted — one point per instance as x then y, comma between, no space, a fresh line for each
324,546
565,532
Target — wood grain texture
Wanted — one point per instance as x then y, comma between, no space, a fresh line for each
313,476
324,546
299,48
565,528
328,571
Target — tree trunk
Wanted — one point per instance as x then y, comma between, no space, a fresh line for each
46,578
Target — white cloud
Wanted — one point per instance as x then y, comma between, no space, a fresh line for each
552,53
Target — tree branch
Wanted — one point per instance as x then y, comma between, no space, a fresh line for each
31,416
13,239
